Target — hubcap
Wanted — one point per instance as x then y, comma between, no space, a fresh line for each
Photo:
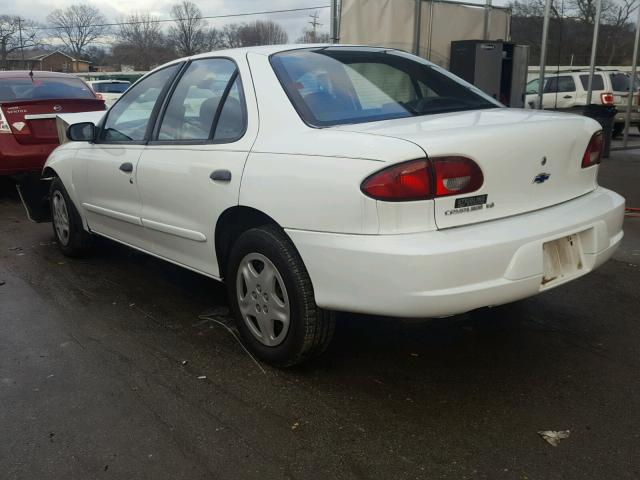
263,299
60,217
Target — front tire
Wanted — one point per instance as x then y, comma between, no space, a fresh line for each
70,235
271,296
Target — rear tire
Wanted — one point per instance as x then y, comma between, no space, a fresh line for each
617,130
70,235
271,296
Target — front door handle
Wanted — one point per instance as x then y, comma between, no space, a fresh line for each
220,176
567,96
127,167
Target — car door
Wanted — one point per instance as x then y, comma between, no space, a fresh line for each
597,87
190,171
110,195
559,92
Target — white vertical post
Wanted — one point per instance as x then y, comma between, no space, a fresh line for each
487,13
543,49
594,48
632,83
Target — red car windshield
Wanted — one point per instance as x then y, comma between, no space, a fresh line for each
43,88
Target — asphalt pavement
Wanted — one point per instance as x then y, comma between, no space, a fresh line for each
123,366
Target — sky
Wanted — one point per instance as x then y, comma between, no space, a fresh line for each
294,22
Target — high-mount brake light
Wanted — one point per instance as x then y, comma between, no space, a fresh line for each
593,153
424,179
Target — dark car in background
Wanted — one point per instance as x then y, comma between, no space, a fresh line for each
29,104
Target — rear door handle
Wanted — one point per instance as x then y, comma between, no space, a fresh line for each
220,176
127,167
568,96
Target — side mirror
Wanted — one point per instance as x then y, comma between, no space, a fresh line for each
81,132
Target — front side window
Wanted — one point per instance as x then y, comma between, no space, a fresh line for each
197,100
332,86
129,118
533,86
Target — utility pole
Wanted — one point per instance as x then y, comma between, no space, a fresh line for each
334,26
20,36
314,25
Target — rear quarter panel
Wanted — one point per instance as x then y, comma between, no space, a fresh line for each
309,178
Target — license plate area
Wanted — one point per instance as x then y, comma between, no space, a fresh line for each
562,259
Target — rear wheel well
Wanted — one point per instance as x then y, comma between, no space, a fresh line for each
49,172
232,223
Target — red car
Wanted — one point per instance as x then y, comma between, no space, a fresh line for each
29,102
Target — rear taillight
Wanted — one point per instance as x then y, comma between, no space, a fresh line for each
99,96
424,179
4,125
606,98
401,182
593,153
456,175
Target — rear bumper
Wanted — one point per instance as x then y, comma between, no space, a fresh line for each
452,271
17,158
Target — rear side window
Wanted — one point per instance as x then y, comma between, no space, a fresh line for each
116,87
206,98
43,88
598,82
559,84
619,82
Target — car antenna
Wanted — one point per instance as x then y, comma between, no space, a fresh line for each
31,73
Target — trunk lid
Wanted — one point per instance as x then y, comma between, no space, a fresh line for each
530,160
34,121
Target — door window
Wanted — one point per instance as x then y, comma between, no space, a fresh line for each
559,85
202,96
232,122
532,86
598,83
128,120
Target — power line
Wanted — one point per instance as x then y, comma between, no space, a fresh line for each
205,17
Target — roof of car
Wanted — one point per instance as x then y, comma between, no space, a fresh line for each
36,74
267,49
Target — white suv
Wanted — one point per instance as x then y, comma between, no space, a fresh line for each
568,90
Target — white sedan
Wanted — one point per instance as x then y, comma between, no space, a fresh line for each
314,179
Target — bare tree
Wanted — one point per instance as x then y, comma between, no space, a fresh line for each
188,32
215,39
309,36
140,42
262,32
77,26
10,36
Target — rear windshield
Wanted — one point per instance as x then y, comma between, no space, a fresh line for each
333,86
12,89
116,87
